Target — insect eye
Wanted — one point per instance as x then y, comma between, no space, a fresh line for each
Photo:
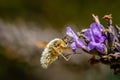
66,43
58,44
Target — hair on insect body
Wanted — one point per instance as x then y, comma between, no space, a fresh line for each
51,52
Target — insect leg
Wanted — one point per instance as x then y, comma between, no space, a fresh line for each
67,59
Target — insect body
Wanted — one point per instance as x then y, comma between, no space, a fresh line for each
51,52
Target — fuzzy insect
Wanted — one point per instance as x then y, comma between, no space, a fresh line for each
51,52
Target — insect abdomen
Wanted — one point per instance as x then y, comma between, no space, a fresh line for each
48,57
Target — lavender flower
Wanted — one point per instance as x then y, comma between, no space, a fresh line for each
102,40
76,42
118,32
111,36
95,38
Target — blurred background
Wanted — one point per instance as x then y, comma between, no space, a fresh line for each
23,23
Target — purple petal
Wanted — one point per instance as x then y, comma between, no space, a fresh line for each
91,46
100,47
94,35
73,47
112,37
79,44
95,28
77,41
88,35
70,32
102,39
96,31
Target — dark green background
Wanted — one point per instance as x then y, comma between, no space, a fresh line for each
57,14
